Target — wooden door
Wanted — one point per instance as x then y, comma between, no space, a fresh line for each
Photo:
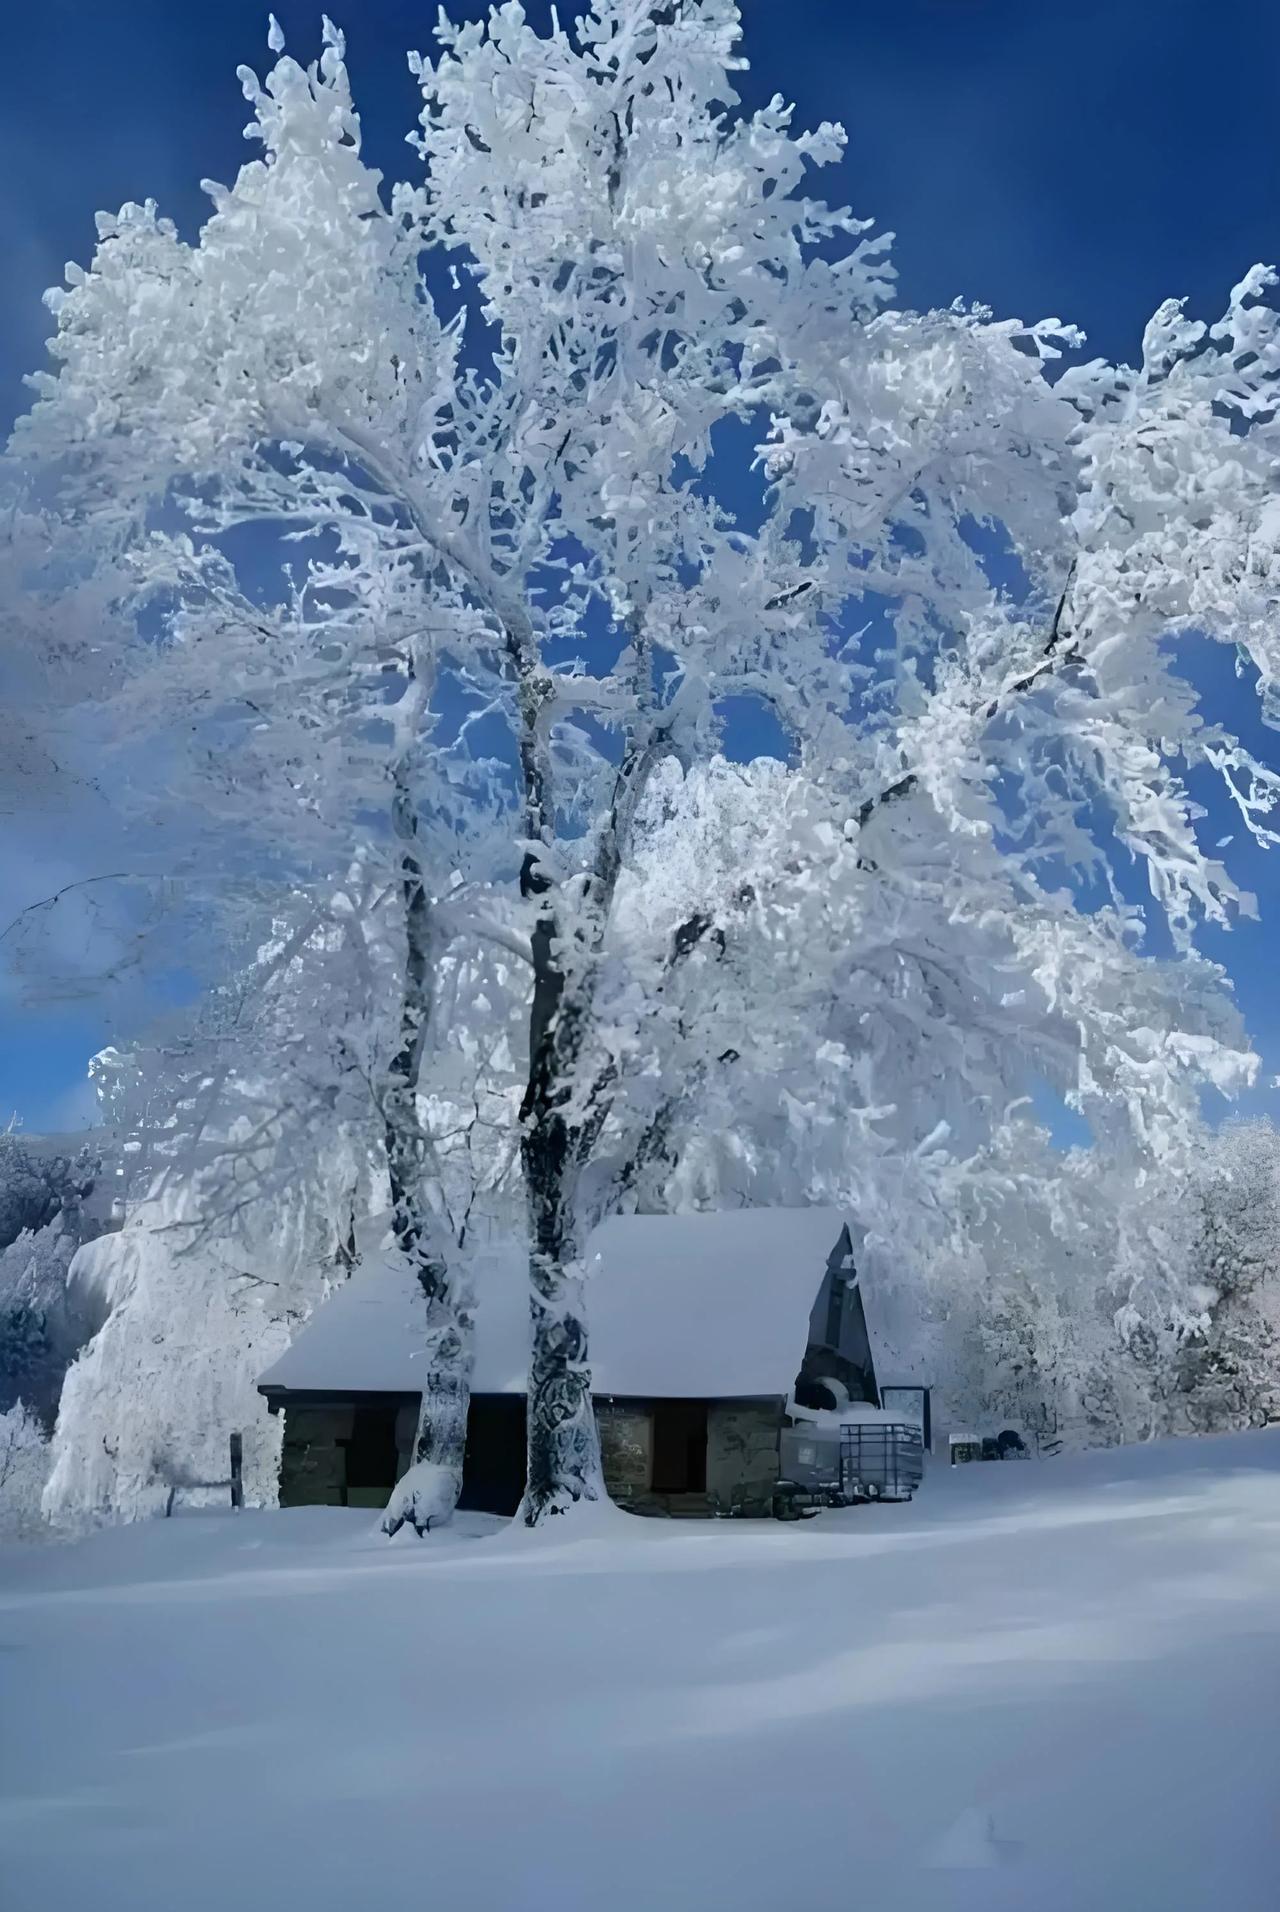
679,1447
371,1456
493,1470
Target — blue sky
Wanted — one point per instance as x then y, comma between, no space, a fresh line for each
1082,161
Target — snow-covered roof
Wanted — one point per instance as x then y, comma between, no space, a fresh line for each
710,1304
691,1306
367,1337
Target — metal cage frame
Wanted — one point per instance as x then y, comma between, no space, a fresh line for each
880,1460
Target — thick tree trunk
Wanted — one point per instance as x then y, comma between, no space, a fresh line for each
428,1493
564,1447
559,1126
563,1441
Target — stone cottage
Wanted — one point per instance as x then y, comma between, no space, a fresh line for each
704,1327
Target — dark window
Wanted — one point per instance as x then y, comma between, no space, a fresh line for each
679,1447
371,1450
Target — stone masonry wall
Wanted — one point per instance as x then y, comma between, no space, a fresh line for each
313,1466
742,1453
626,1448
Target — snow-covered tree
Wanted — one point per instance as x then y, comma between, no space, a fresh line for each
1071,1325
35,1186
509,412
257,1182
42,1224
1227,1374
24,1468
248,1144
185,1323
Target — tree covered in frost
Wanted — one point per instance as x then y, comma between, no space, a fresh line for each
185,1321
248,1176
24,1468
1074,1320
1227,1373
257,1183
35,1186
1156,1311
42,1224
492,430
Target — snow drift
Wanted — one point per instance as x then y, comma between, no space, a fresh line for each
1046,1685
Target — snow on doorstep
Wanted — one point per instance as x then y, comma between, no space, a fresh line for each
680,1305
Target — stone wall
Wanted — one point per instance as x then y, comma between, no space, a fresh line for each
742,1453
313,1467
626,1448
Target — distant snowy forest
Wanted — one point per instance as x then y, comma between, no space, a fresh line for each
574,700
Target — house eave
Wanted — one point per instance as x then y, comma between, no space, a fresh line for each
278,1395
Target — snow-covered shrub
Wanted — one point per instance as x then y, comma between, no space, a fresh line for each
29,1191
40,1331
24,1469
24,1347
36,1187
190,1317
42,1224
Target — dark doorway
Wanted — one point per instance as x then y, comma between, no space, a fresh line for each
679,1447
493,1467
371,1457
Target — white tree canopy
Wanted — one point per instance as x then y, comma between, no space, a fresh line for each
497,411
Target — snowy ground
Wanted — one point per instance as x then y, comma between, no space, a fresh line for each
1042,1686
